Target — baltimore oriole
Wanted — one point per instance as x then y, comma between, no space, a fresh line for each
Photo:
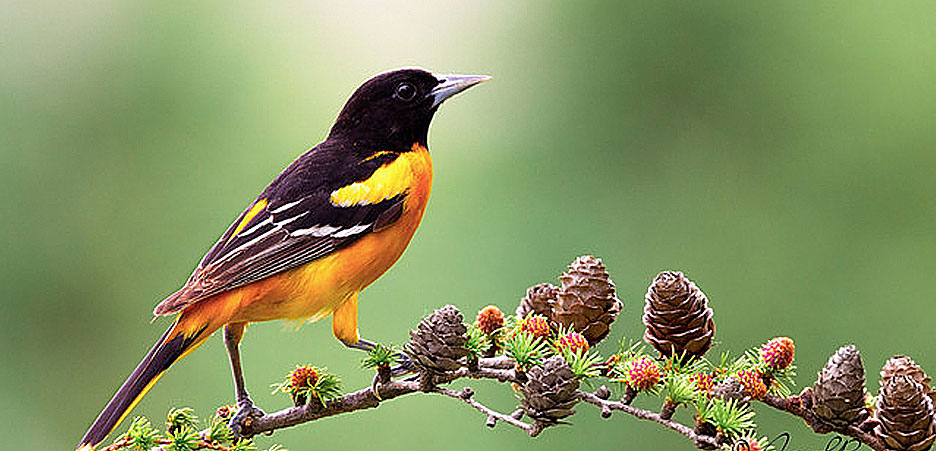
329,225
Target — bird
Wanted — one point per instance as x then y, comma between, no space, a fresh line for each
336,219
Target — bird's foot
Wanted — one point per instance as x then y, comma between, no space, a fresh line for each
246,414
404,366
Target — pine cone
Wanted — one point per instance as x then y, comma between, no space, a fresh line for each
643,373
753,383
677,316
539,300
905,415
490,319
839,392
572,342
778,353
439,340
903,365
730,389
550,391
586,301
703,382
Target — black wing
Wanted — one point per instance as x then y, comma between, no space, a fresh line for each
292,223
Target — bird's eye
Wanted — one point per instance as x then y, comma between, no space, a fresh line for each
405,91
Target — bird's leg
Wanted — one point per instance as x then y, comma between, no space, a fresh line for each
344,326
247,412
404,365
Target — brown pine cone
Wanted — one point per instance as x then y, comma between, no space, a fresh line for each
839,392
439,340
730,389
905,415
550,391
586,300
677,316
901,364
539,300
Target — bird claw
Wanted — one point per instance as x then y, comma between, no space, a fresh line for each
246,414
375,387
405,366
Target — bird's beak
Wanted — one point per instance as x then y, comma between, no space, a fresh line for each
451,84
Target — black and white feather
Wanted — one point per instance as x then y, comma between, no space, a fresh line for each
298,224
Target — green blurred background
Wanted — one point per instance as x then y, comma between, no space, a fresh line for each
781,154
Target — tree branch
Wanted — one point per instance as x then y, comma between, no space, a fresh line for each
465,396
642,414
366,398
491,368
545,362
794,405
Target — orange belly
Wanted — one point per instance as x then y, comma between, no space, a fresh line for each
316,289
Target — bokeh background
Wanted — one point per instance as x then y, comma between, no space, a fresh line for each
781,154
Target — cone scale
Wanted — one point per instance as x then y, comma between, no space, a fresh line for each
586,300
677,316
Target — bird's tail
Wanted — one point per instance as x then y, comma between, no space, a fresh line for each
180,339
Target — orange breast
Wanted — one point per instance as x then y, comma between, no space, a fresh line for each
316,289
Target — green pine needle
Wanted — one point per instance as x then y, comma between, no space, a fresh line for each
727,367
782,381
477,343
680,389
722,366
630,349
218,431
753,357
181,418
142,434
683,364
381,356
511,324
564,330
244,444
525,349
745,362
584,363
731,418
327,387
183,439
618,372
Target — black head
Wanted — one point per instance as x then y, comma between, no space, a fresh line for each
396,107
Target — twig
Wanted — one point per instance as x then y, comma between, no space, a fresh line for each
536,387
366,399
352,402
501,362
648,415
794,405
503,370
466,396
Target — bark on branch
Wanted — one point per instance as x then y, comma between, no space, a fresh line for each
545,353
